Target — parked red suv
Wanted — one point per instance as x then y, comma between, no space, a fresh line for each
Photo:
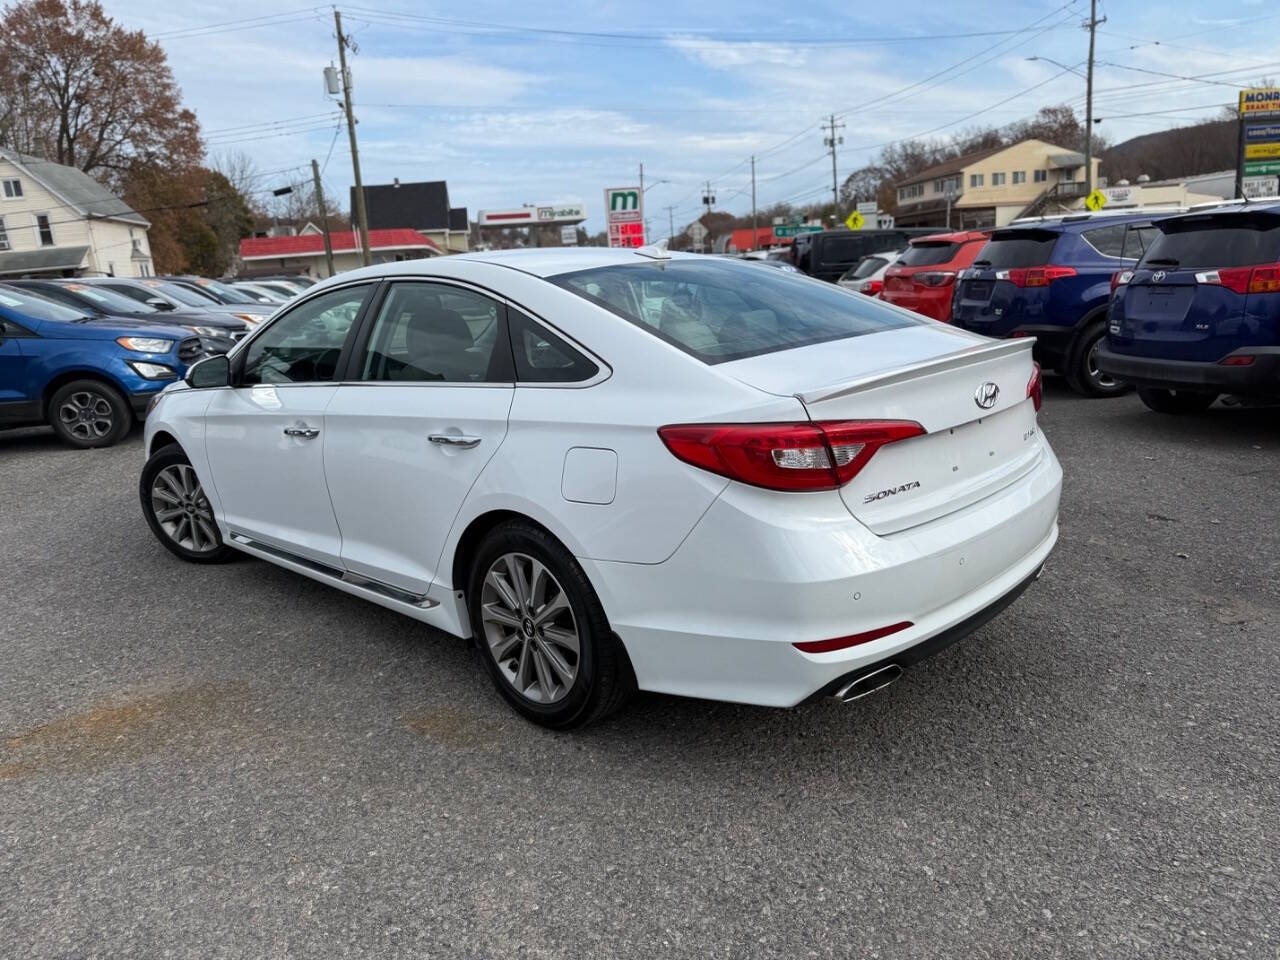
924,277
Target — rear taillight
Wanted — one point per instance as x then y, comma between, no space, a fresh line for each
1120,278
1237,360
1035,387
934,278
871,287
1034,276
1260,279
785,456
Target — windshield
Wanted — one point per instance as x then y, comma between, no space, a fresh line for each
865,268
928,254
1221,241
30,305
1017,248
176,291
228,294
108,301
719,310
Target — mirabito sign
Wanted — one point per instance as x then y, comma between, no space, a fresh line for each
1258,148
624,216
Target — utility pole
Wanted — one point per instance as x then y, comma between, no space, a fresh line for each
709,199
671,223
832,141
362,218
1088,101
324,216
754,229
644,224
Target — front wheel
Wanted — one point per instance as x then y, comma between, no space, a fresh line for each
177,510
1176,401
541,629
1081,365
89,413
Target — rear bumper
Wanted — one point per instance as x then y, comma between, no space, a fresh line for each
1262,377
930,302
720,617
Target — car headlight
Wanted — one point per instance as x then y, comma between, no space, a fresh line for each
153,371
145,344
208,331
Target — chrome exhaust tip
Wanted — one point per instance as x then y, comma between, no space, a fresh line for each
868,683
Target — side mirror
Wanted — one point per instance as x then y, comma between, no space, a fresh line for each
210,372
159,304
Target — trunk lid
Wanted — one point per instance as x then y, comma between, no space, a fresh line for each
931,374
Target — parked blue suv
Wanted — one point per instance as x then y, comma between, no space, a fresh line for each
87,377
1051,279
1200,314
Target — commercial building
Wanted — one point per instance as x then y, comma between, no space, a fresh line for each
57,221
423,207
303,253
989,188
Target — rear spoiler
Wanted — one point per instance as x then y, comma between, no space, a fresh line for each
949,361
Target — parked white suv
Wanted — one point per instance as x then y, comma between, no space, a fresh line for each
622,468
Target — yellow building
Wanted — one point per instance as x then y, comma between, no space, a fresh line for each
989,188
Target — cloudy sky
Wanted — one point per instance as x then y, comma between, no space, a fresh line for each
517,103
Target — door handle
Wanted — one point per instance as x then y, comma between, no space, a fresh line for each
306,433
452,440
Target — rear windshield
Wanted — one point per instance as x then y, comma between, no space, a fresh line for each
928,254
719,310
108,301
1020,248
865,268
1230,241
30,305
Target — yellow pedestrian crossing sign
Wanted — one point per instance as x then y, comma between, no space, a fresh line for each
854,221
1096,200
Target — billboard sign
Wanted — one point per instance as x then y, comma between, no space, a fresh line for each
1256,188
548,214
1258,142
624,216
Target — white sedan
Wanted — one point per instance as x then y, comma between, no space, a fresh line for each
619,469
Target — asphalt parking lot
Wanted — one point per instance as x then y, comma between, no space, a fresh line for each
236,761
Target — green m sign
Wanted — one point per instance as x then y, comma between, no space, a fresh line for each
624,199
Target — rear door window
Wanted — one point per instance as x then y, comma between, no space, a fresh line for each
865,268
1216,241
1109,240
842,249
1017,248
928,254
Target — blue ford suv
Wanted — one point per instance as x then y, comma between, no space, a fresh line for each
1199,315
87,377
1051,279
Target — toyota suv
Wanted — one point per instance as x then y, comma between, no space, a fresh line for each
1050,278
1199,315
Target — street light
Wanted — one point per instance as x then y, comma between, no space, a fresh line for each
1058,63
649,186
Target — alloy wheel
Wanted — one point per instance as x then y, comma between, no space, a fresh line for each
87,415
530,628
182,509
1103,380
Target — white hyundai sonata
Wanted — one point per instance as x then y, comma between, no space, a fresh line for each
621,469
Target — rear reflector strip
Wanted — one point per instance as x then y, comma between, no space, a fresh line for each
841,643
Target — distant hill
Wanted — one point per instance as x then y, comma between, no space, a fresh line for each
1180,152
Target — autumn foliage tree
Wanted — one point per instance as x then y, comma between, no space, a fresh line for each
79,88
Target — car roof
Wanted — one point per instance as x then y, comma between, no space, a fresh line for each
540,262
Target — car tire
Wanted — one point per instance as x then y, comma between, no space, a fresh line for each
89,413
531,605
177,510
1177,401
1080,365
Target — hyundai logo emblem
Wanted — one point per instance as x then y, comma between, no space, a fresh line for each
1158,276
986,395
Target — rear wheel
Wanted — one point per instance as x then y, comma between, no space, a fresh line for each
89,413
177,510
1177,401
1081,364
541,629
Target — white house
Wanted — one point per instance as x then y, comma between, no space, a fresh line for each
56,221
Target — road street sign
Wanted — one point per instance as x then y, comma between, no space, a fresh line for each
794,231
868,209
1257,187
1096,200
854,221
697,232
568,235
624,216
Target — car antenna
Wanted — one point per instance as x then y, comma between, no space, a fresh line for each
655,251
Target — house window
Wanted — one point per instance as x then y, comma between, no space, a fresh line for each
1069,174
997,179
4,236
1041,175
12,189
975,179
144,270
44,230
1019,176
911,192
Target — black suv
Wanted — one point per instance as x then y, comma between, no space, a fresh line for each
827,255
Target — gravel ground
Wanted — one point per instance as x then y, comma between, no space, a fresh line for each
238,762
